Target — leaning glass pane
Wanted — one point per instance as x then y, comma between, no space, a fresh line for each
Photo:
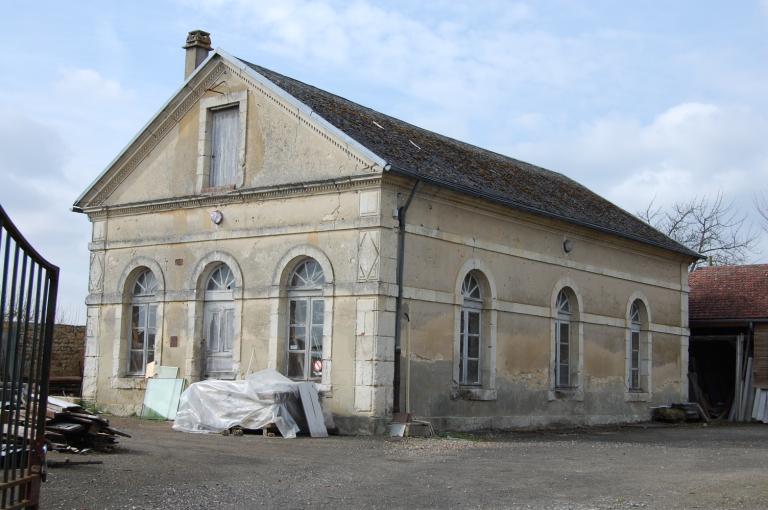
296,364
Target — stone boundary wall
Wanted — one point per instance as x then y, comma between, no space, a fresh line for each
68,351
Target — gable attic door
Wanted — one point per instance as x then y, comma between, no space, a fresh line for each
225,146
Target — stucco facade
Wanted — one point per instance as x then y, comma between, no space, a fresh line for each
306,190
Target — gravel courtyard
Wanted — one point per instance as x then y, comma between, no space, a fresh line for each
652,467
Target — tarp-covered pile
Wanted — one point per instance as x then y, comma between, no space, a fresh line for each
261,399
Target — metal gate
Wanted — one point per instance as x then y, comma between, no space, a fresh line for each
28,304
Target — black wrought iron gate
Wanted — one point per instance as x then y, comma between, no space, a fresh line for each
28,304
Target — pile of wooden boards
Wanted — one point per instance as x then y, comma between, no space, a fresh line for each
69,427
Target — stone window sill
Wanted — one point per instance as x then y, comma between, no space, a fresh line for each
637,396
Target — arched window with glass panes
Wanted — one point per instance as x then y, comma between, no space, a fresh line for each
563,348
218,322
306,319
470,332
634,347
143,323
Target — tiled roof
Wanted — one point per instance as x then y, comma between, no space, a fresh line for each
446,162
729,292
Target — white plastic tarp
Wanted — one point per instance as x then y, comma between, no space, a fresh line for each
252,403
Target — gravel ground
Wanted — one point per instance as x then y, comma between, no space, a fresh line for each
685,467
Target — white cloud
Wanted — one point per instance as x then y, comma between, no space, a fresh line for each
88,83
689,150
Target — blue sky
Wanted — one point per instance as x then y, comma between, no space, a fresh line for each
636,100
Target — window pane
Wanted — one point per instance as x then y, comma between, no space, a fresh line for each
137,339
473,347
136,362
298,312
318,311
136,316
473,372
462,380
316,366
297,338
150,356
564,375
564,332
151,342
152,318
474,323
635,382
296,364
317,338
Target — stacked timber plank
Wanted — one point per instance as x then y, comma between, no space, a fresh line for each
70,427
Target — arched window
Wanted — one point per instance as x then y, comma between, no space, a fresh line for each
306,317
563,352
143,323
470,335
634,347
638,349
218,322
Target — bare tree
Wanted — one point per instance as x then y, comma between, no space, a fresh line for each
707,226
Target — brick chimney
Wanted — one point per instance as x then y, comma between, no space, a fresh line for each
198,46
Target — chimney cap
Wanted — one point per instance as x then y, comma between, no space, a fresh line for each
198,39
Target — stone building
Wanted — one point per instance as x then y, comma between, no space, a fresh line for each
257,221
